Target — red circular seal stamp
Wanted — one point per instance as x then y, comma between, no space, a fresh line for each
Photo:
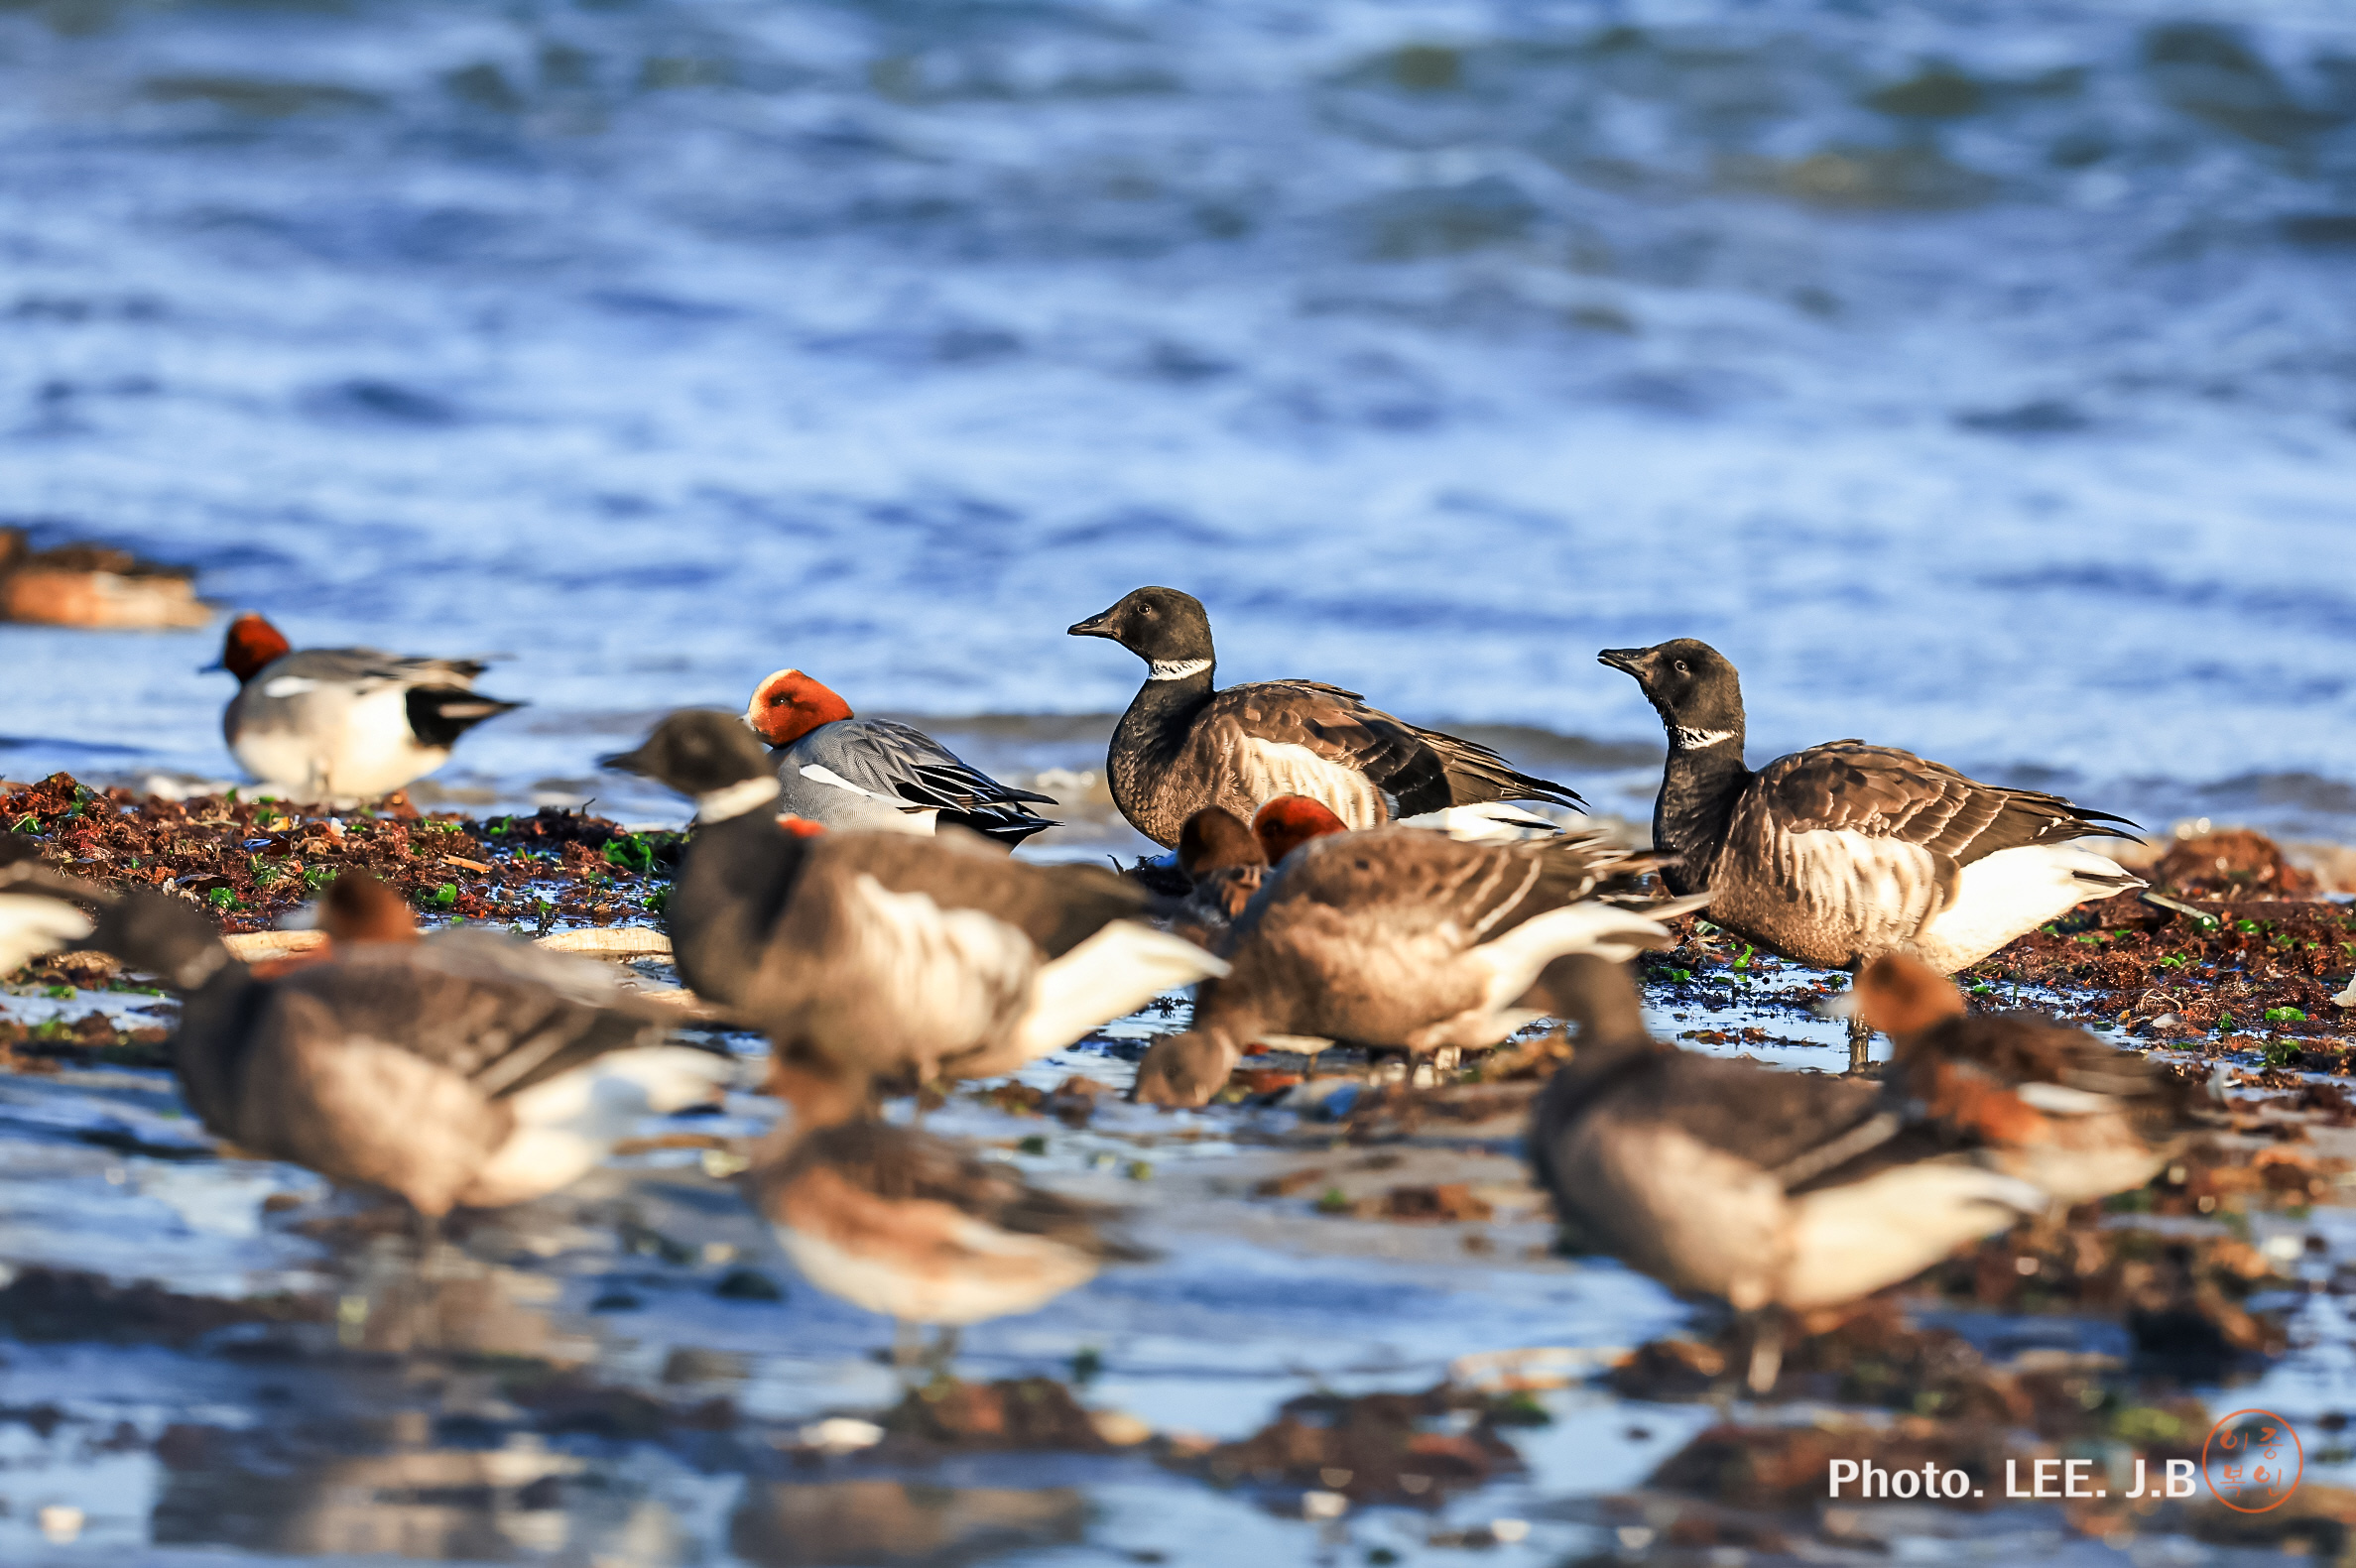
2252,1461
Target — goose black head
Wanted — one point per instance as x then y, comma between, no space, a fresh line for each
1160,626
1593,994
701,753
1692,686
165,936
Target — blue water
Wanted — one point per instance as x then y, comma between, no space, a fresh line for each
1979,375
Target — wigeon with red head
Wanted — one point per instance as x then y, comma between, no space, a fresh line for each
2077,1115
1401,938
343,724
1185,745
887,957
1292,820
910,1225
853,773
1775,1190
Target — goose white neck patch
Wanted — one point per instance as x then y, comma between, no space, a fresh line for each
747,795
1695,740
1176,668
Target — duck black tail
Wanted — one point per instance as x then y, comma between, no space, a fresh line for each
438,716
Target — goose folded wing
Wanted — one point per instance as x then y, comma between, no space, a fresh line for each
1483,889
502,1033
1881,792
1243,725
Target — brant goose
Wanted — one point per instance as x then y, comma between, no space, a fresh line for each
471,1069
344,723
910,1225
1770,1189
1184,745
846,772
886,955
2075,1115
1835,855
1399,937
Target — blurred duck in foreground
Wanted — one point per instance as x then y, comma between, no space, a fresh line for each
914,1226
1184,745
40,910
1396,937
1840,853
1770,1189
466,1069
885,956
844,772
94,586
344,723
2077,1116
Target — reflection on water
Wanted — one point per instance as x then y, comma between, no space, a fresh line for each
898,1523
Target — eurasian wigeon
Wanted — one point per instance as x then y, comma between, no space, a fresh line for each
1770,1189
1837,854
2077,1116
344,723
1403,938
914,1226
847,772
476,1071
883,954
1183,745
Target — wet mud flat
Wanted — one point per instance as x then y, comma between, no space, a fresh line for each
1361,1340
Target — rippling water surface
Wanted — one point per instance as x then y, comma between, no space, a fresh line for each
1979,375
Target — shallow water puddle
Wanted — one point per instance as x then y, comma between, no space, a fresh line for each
628,1374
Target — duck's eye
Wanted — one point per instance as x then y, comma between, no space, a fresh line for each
1680,668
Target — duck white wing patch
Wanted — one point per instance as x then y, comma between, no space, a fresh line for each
283,686
1261,771
2011,892
30,924
906,816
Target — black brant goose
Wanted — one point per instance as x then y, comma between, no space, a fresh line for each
1184,745
1399,937
886,955
1770,1189
1837,854
467,1071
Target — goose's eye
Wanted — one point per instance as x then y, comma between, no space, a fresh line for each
1680,668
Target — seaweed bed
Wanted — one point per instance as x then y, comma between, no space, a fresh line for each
2102,1333
252,861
